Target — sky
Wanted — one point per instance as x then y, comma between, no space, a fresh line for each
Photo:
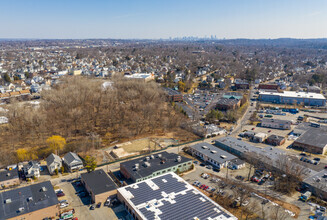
155,19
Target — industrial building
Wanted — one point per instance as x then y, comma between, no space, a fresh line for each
314,140
99,185
213,155
156,164
276,123
275,140
317,184
168,197
291,97
37,201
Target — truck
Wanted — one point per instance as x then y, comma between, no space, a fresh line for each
305,196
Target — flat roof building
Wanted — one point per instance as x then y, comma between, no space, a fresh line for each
37,201
291,97
9,178
99,185
212,154
156,164
314,140
168,197
276,123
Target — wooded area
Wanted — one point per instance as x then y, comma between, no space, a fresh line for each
80,107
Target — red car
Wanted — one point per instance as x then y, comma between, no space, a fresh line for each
269,131
60,194
205,188
252,129
202,186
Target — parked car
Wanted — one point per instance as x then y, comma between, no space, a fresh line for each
63,205
92,207
216,169
202,164
99,205
60,194
198,184
107,202
209,167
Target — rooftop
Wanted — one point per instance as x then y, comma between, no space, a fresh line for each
213,152
294,94
318,180
150,164
27,199
169,197
8,174
227,101
279,121
98,181
314,136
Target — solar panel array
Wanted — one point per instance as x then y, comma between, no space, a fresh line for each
173,199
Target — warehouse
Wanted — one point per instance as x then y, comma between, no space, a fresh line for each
168,197
213,155
147,167
276,123
291,97
313,140
99,185
37,201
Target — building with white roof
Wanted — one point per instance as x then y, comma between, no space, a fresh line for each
292,97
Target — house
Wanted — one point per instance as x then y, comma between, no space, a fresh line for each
275,140
72,162
99,185
37,201
168,197
147,167
54,162
9,178
211,154
276,123
32,169
314,140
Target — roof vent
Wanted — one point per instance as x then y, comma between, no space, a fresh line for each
159,155
43,189
213,152
8,174
29,199
204,147
7,201
223,156
152,156
21,209
147,158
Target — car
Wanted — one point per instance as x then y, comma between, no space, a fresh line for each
63,201
305,160
303,154
239,138
322,209
198,184
269,131
60,194
202,164
92,207
58,191
233,187
63,205
209,167
98,205
196,162
201,186
216,169
326,167
265,201
213,189
316,162
195,182
206,187
107,202
302,158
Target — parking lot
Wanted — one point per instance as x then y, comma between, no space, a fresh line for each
228,189
82,205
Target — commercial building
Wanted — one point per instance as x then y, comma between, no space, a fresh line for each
317,184
259,137
275,140
141,76
313,140
173,95
211,154
37,201
241,84
156,164
168,197
267,155
268,87
233,95
228,104
9,178
99,185
276,123
291,97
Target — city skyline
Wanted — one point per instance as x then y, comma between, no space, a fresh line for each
160,20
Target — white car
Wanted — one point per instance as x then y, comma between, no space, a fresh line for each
58,191
63,205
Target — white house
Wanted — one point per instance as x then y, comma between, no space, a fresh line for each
53,162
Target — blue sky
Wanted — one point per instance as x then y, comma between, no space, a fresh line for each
163,18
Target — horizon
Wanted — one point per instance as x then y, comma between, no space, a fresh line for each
145,19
